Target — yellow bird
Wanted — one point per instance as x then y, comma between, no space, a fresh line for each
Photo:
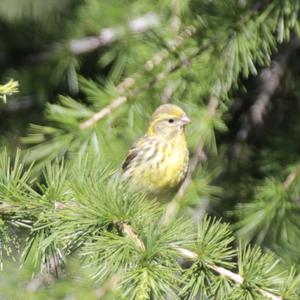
158,161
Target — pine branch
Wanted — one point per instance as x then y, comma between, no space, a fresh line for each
127,230
129,82
272,213
190,255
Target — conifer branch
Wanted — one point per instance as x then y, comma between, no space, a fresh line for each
46,275
190,255
149,65
114,232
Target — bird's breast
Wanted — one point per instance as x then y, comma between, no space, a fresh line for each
167,164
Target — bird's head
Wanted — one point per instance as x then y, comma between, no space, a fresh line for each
168,120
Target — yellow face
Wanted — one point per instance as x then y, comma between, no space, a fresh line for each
168,121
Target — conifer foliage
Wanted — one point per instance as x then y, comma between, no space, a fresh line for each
70,229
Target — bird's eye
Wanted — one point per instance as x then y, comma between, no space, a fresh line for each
171,120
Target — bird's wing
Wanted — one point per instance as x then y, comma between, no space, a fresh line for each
132,153
130,156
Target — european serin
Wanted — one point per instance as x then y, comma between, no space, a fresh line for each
158,161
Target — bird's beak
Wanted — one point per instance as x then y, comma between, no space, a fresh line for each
185,120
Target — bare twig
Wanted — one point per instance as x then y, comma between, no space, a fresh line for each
237,278
127,230
117,102
157,58
171,47
39,280
167,93
15,106
105,37
268,81
269,295
291,177
6,208
110,35
48,274
109,286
